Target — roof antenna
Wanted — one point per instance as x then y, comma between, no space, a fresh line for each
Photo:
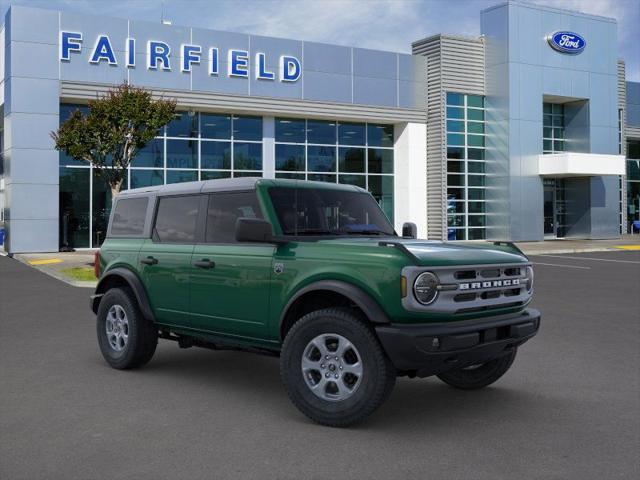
162,19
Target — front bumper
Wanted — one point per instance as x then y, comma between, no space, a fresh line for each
430,349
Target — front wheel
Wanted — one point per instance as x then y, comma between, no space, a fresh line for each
480,375
334,369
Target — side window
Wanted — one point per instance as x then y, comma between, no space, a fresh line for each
224,210
176,219
129,215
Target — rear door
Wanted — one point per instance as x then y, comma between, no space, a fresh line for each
230,281
165,259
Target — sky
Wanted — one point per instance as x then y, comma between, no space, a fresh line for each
378,24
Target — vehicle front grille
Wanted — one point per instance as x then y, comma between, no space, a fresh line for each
473,288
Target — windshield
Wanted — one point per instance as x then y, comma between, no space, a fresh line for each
318,211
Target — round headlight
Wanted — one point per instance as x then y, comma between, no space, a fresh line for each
529,279
425,288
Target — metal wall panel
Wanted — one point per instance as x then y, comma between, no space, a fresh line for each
521,70
455,64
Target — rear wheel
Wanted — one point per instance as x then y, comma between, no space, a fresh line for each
480,375
126,338
334,369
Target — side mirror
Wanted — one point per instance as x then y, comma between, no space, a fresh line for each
409,230
254,230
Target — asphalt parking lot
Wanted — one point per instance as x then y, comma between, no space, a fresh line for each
569,407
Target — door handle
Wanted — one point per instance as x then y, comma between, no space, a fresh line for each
149,261
204,263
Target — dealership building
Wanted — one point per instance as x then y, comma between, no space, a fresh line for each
527,132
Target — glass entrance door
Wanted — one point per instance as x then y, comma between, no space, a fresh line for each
555,208
549,208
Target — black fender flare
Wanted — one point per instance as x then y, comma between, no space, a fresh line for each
363,300
133,281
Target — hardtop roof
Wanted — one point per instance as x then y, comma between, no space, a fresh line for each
231,184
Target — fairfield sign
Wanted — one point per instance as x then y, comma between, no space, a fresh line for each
159,56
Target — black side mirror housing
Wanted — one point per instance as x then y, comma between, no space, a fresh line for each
409,230
254,230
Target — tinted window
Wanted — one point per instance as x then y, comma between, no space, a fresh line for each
351,133
247,128
224,210
319,211
290,157
183,124
129,215
290,130
176,219
215,126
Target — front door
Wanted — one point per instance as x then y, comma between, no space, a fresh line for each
230,281
554,208
165,259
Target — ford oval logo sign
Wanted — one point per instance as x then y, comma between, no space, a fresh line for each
567,42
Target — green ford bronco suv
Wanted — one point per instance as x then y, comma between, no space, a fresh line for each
312,272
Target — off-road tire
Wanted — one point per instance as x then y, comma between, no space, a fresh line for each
378,374
142,333
483,375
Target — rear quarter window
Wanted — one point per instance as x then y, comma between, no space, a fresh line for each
129,216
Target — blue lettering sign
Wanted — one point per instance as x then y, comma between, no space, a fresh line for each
69,42
290,69
190,55
213,61
238,63
261,68
103,51
158,52
567,42
159,57
131,52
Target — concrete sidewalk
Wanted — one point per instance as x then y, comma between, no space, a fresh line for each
626,242
58,265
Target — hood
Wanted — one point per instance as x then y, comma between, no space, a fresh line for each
441,253
435,253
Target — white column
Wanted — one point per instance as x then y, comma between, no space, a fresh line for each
410,180
268,147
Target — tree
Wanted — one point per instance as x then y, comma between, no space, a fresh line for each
117,126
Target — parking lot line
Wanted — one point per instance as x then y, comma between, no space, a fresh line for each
559,265
47,261
588,258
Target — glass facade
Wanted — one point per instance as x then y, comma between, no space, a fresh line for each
204,146
345,152
194,146
633,182
552,128
465,130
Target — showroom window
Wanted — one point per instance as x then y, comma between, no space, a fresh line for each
193,146
465,130
552,128
344,152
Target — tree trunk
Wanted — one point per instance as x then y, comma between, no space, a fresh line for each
115,189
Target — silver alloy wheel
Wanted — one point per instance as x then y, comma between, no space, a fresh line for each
332,367
117,327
